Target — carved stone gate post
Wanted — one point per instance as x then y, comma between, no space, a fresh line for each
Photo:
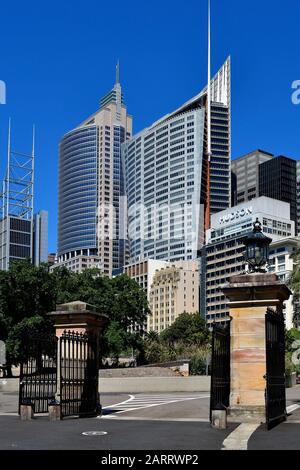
249,297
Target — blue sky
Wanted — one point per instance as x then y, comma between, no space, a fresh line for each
58,59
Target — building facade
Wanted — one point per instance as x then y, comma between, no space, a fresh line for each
298,198
245,176
91,186
166,175
282,263
278,180
143,272
223,256
79,263
40,238
52,259
174,290
15,240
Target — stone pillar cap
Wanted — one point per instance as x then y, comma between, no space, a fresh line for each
76,305
258,286
76,308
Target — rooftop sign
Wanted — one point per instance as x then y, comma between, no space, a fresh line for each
239,214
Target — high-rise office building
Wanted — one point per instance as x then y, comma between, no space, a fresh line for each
298,198
278,180
223,256
23,238
245,176
15,240
40,238
91,186
170,181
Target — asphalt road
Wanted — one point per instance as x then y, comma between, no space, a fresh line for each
176,421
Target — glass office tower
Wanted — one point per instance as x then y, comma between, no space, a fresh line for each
169,181
91,187
278,180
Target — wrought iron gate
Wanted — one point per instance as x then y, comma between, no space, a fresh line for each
220,368
38,373
78,374
275,376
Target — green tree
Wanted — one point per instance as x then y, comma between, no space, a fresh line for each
294,284
23,336
189,329
25,291
290,337
28,292
129,302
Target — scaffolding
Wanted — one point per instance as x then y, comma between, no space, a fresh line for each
18,184
17,197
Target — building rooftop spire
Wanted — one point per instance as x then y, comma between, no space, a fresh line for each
118,73
115,95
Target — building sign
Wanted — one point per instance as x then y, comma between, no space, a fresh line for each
236,215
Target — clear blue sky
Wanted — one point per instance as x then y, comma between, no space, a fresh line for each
58,58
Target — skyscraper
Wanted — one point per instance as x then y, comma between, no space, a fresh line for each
40,238
91,186
171,181
278,180
245,180
298,199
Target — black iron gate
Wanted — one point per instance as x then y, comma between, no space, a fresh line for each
38,373
78,375
220,368
275,376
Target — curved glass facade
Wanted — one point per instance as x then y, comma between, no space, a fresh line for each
77,190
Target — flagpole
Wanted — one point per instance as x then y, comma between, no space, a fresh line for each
209,84
208,106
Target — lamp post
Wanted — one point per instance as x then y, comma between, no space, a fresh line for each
257,249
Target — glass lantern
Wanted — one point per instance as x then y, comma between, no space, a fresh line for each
257,249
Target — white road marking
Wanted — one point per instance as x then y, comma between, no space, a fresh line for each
147,401
131,397
144,418
238,439
292,408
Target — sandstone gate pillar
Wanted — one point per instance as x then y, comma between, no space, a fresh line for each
249,297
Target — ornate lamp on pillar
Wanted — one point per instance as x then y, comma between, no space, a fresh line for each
257,249
250,296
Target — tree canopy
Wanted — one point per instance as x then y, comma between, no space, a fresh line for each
188,328
28,293
294,284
